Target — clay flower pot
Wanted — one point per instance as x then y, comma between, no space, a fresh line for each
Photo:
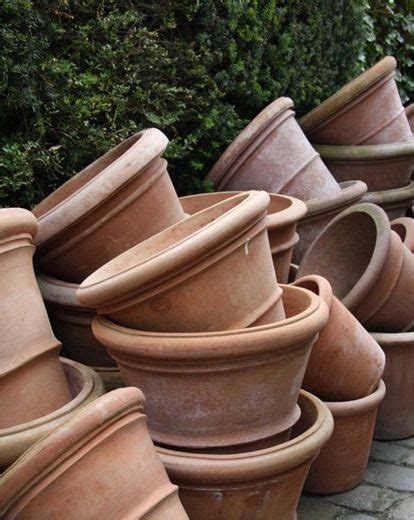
103,456
346,363
395,418
212,271
409,112
368,267
394,202
273,154
119,200
85,386
342,462
404,227
199,386
31,376
282,215
368,110
263,483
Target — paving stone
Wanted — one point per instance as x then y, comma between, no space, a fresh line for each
367,498
406,442
315,508
391,452
404,510
390,476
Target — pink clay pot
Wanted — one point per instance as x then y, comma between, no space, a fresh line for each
87,221
409,112
404,227
273,154
212,271
368,110
396,203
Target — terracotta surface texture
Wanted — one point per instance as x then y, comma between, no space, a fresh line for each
404,227
409,112
394,202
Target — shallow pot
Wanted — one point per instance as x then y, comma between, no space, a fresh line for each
212,271
404,227
87,221
198,386
409,112
273,154
92,457
394,202
367,110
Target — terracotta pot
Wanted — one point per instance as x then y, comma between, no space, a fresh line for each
282,215
262,484
212,271
87,221
368,267
322,210
85,386
404,227
394,202
368,110
380,166
342,462
395,418
31,376
346,362
198,386
273,154
409,112
94,457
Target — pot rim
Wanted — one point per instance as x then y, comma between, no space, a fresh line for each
386,197
367,152
324,287
357,406
391,339
351,191
16,223
59,292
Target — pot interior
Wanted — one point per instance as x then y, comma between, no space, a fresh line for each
294,301
400,229
75,379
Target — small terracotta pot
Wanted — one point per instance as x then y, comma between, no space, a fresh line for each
394,202
273,154
87,221
85,386
212,271
368,110
404,227
94,456
368,267
409,112
342,462
199,386
395,418
261,484
346,362
283,214
380,166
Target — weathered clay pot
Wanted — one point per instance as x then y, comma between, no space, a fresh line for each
121,199
342,462
395,418
346,363
368,110
32,382
322,210
212,271
404,227
273,154
380,166
199,386
262,484
100,463
283,214
85,386
368,267
409,112
394,202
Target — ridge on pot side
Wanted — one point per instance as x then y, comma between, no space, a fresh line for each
394,202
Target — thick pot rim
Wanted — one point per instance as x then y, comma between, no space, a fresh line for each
351,191
391,339
324,287
357,406
367,152
17,222
387,197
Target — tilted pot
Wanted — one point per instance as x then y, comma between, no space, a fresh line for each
404,227
409,112
100,463
368,267
32,382
85,386
212,271
367,110
283,214
121,199
342,462
346,362
273,154
394,202
395,418
262,484
199,386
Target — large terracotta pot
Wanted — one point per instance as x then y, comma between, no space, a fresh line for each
85,386
100,463
409,112
342,462
395,418
404,227
212,271
260,484
394,202
380,166
121,199
368,110
199,386
283,214
32,382
322,210
273,154
346,363
368,267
